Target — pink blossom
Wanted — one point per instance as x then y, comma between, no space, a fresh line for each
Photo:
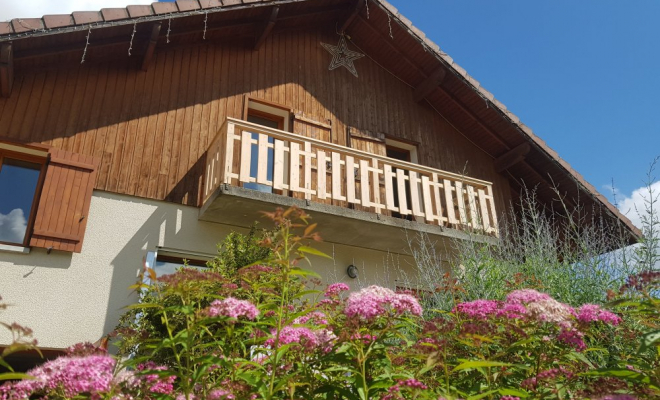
592,312
156,383
550,310
479,309
512,311
220,394
618,397
524,296
300,335
572,337
336,288
72,375
374,301
233,308
317,317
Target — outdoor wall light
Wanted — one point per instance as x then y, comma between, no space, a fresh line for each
352,271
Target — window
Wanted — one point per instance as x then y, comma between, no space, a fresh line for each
20,183
270,115
166,261
45,195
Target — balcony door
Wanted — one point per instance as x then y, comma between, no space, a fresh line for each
271,116
402,152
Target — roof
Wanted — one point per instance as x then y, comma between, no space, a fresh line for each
375,25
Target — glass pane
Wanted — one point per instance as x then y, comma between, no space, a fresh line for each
18,182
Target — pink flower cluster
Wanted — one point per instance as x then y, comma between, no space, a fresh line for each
336,288
72,375
412,383
479,309
525,303
375,301
300,335
592,312
233,308
154,382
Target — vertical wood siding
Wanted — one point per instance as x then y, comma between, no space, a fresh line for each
151,129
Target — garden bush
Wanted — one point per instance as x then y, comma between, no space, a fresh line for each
265,333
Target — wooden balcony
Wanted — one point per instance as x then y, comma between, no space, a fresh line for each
285,169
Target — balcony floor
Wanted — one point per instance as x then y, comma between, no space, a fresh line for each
240,207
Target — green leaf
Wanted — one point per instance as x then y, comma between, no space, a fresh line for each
625,374
304,272
482,395
649,340
513,392
313,251
479,364
14,375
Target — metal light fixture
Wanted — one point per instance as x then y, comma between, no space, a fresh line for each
352,271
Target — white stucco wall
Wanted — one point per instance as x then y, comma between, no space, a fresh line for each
68,298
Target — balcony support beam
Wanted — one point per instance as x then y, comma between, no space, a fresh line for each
268,26
429,84
351,17
151,46
512,157
6,69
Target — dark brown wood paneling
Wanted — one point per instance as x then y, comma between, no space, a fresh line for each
150,129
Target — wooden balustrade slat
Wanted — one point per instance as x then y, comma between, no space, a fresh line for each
337,177
389,188
262,160
350,180
401,186
279,158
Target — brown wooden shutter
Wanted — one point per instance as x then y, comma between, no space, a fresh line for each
312,128
368,141
64,203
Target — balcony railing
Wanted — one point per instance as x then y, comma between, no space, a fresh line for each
280,162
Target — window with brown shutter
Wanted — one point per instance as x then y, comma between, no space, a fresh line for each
62,212
45,194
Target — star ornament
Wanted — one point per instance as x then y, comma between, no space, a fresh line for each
342,56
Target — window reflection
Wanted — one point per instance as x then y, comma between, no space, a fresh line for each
18,184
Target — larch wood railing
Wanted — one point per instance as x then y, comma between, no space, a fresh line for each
328,173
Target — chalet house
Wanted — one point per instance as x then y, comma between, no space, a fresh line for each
147,133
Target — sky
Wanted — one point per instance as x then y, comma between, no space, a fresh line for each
582,74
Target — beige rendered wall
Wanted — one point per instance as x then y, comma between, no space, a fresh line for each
68,298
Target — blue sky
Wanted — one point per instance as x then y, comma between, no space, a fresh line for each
582,74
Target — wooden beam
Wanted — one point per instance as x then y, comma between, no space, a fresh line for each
512,157
429,84
6,69
268,26
351,17
151,46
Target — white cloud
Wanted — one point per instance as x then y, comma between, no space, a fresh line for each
11,9
634,206
13,226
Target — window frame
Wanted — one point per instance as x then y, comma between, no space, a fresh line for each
32,155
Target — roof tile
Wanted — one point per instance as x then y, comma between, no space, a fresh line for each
5,28
86,17
254,1
164,8
114,14
390,8
231,2
187,5
210,3
27,24
459,69
58,21
139,11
